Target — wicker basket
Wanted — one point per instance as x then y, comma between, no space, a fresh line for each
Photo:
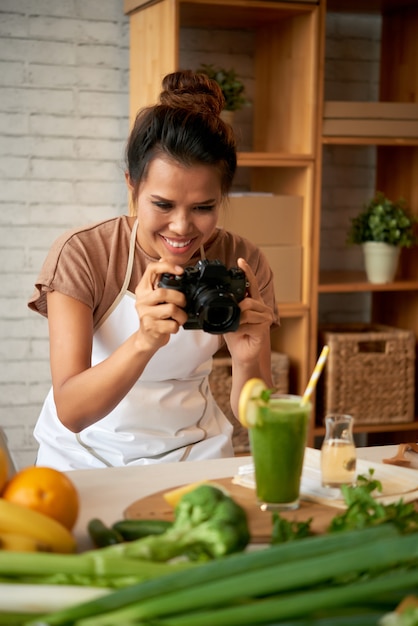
220,381
370,373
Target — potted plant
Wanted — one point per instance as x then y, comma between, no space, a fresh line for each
232,87
383,228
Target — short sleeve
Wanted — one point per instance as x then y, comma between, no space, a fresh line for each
87,264
68,268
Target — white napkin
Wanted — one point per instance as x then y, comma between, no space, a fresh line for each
397,482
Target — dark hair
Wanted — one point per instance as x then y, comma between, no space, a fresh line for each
185,126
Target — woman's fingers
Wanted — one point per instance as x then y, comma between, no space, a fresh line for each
255,312
160,309
253,290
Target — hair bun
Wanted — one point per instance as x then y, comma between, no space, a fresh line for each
195,92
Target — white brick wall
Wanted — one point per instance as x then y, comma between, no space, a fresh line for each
63,126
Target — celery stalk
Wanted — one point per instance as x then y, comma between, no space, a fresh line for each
89,567
14,618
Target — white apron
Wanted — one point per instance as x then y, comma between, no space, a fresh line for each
169,415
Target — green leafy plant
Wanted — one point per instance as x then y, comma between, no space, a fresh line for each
383,220
232,87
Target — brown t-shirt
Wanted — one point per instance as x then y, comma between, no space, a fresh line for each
89,264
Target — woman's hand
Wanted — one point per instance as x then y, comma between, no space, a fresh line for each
249,346
160,309
256,319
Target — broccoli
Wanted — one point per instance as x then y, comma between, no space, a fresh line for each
208,524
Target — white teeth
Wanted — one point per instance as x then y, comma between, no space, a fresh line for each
177,244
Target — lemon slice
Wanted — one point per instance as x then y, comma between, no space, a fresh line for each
249,400
173,496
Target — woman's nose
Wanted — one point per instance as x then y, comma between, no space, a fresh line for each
181,223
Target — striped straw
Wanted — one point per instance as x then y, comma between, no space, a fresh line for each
315,375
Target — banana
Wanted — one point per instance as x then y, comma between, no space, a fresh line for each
20,520
21,543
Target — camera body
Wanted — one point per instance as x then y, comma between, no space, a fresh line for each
212,295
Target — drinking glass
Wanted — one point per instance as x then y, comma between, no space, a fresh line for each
278,442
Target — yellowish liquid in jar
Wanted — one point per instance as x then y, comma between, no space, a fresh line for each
338,463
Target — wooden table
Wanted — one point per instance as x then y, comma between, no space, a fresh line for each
106,493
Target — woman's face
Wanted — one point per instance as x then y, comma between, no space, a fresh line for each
177,209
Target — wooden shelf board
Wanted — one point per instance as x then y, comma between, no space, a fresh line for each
370,141
292,309
375,428
368,6
273,159
350,282
206,13
251,14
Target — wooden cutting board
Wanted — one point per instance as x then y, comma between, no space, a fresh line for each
260,522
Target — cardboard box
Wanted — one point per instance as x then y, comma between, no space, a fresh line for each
274,223
286,263
264,219
372,119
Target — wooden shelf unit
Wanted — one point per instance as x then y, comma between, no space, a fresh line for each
394,304
287,138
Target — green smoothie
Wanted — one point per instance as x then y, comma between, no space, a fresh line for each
278,446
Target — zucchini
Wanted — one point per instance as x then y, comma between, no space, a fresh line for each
132,529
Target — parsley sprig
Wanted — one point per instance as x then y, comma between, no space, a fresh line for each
363,510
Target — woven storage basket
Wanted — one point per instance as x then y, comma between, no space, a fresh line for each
370,373
220,381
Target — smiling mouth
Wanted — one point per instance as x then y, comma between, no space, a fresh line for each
177,244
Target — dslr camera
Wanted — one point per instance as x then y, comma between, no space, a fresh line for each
212,295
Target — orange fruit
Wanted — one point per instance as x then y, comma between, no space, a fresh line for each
4,469
45,490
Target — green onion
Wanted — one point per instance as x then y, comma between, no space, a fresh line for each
42,598
346,561
294,605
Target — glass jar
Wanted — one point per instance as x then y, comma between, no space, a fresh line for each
338,451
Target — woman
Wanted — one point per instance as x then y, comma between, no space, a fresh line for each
129,383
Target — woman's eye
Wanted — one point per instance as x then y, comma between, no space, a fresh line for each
205,208
163,205
168,206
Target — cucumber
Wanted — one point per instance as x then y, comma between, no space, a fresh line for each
103,535
132,529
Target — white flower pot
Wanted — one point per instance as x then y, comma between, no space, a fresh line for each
381,261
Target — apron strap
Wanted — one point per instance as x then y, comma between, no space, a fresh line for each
130,263
127,279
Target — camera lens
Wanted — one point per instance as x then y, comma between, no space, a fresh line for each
216,315
217,311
